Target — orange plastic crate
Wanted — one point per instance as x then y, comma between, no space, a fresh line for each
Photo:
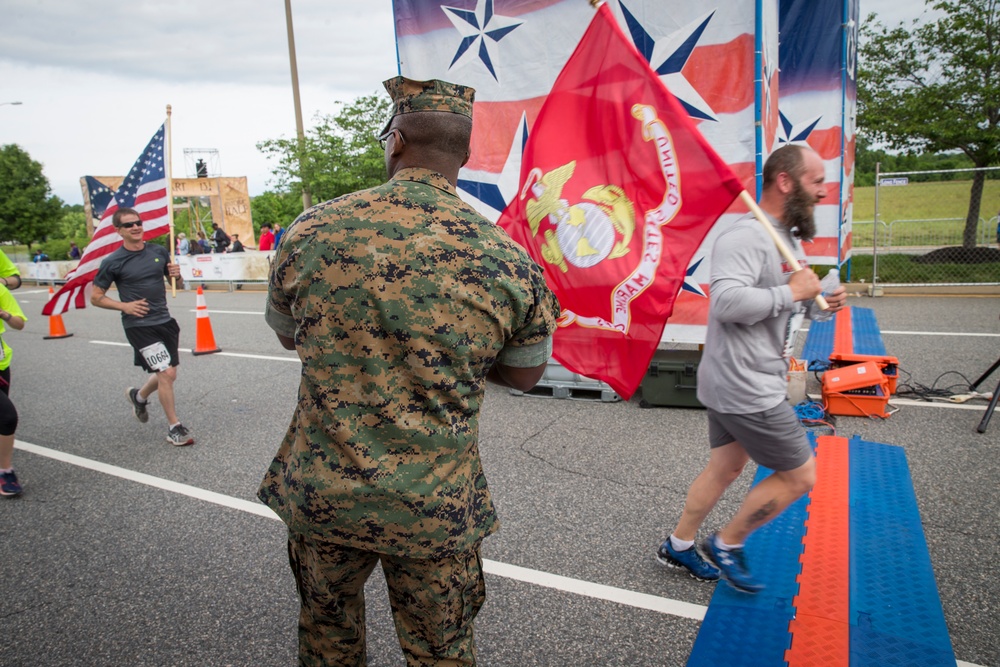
858,390
889,365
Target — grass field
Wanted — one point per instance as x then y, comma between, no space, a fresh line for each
894,268
921,201
923,214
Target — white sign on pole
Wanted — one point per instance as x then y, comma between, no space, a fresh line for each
899,180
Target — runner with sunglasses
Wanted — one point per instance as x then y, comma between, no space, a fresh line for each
137,269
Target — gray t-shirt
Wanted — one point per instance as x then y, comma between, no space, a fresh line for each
139,275
751,320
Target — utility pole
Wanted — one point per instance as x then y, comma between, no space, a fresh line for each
306,195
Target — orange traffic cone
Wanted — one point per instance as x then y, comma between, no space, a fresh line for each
56,327
204,338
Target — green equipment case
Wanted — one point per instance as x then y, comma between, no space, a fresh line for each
672,380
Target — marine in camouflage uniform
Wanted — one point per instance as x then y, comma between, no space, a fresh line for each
401,301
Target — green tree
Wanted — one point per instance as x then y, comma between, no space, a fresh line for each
935,88
866,158
28,210
340,153
72,223
272,207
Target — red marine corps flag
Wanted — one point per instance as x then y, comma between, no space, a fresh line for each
618,189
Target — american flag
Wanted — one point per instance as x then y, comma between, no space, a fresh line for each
100,196
145,189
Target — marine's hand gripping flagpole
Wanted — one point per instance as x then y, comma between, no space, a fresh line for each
170,205
782,248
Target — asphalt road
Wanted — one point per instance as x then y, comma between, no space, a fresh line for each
124,550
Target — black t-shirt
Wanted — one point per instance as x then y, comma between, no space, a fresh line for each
138,274
221,239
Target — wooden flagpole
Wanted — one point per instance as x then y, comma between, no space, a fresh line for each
778,241
170,204
762,218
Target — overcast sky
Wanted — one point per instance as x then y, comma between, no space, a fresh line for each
95,76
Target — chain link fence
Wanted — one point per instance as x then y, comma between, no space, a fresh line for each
911,229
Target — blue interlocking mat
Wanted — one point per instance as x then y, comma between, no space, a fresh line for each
895,611
819,345
866,337
896,616
750,630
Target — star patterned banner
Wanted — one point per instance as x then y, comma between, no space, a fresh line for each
818,108
718,59
619,189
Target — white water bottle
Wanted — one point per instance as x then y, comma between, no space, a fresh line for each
830,282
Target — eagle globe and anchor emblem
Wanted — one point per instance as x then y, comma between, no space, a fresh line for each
597,228
602,224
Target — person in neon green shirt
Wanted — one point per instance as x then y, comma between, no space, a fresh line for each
10,277
10,315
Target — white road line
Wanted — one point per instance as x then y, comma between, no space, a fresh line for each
598,591
927,333
939,404
815,397
33,291
941,333
251,507
920,404
239,355
212,311
537,577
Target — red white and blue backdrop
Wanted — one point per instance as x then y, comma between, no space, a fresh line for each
818,107
720,59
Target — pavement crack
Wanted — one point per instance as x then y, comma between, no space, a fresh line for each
949,528
523,447
61,601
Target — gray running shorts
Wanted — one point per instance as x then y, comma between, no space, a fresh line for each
773,438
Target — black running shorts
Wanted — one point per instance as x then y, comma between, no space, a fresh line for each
155,346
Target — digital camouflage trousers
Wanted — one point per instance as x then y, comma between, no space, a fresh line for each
434,603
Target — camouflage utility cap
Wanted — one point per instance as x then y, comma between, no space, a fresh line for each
409,96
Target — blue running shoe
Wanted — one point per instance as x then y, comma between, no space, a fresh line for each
732,565
9,485
689,559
